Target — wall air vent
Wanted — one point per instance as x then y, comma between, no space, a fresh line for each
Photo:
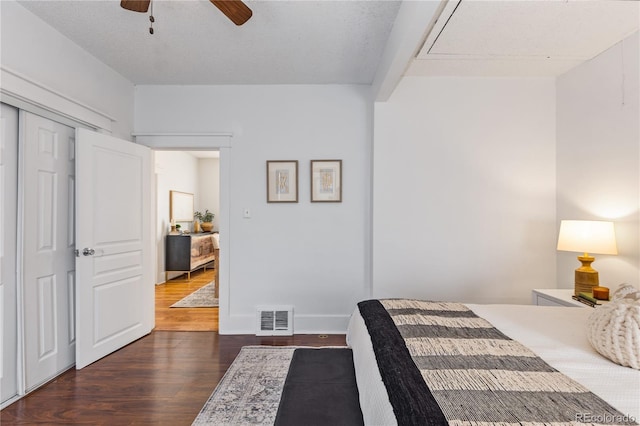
275,321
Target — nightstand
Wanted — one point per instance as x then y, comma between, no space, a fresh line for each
555,297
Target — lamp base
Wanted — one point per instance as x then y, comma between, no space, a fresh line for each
585,276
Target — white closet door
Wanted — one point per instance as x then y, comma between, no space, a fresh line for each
48,248
8,249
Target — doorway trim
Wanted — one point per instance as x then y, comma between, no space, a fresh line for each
198,142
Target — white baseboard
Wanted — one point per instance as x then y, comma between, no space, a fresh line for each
302,324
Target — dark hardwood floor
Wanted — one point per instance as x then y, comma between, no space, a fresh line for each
161,379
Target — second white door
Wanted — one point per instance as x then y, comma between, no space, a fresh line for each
115,292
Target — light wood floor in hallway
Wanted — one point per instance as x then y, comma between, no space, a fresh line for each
184,319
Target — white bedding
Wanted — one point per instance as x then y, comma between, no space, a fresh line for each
556,334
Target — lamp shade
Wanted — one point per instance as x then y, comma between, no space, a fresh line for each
587,236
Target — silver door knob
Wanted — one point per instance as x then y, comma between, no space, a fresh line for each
88,251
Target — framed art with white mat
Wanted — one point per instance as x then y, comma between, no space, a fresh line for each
326,181
282,181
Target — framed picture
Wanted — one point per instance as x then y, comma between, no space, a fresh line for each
326,181
282,181
180,206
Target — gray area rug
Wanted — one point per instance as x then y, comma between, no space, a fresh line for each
204,297
250,391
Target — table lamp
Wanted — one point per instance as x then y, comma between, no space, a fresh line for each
587,236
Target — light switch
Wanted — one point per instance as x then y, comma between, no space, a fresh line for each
246,213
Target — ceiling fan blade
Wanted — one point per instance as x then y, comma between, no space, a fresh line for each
135,5
235,10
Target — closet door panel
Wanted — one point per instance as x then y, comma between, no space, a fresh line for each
8,249
49,260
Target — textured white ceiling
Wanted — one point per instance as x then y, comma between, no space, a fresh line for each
523,38
337,42
285,42
205,154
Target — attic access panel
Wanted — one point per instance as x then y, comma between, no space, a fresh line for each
573,29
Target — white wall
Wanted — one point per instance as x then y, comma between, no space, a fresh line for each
175,171
313,256
598,140
208,197
464,190
35,50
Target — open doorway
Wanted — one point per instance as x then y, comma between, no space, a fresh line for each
186,299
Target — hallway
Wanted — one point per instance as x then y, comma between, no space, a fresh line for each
184,319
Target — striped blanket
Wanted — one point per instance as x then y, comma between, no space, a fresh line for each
442,364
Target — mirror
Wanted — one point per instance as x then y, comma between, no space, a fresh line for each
180,206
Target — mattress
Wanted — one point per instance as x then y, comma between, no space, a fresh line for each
558,335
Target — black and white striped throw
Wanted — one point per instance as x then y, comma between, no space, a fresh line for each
442,364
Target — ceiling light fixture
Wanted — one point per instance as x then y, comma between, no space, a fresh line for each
151,19
235,10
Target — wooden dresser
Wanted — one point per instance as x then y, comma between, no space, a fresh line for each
188,252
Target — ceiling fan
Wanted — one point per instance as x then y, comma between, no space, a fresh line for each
235,10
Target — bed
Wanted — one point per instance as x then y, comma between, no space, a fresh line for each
557,335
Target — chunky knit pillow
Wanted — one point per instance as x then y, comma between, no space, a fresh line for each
614,328
626,291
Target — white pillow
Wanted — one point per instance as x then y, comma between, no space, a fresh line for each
614,328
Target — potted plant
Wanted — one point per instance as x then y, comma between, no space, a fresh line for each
205,219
